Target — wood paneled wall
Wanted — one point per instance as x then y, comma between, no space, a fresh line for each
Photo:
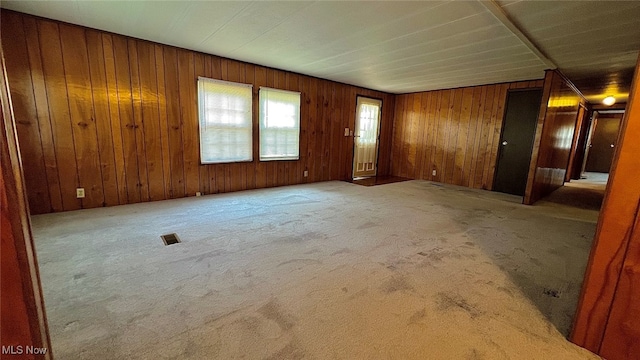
554,137
608,317
23,321
118,116
454,132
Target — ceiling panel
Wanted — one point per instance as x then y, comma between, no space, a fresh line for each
394,46
590,41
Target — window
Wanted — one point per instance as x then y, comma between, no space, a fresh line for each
279,124
225,121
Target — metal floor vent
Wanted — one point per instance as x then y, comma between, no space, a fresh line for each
170,239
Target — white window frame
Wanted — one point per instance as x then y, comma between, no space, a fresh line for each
224,128
287,132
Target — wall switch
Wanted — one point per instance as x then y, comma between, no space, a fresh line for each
198,193
350,133
306,173
433,172
80,193
346,131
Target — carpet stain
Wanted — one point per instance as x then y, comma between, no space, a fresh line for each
311,235
292,351
475,355
505,290
396,283
448,300
535,261
417,316
367,225
342,251
273,311
79,276
301,261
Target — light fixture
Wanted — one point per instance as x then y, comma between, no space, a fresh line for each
609,100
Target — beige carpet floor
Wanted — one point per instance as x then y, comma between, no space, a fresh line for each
409,270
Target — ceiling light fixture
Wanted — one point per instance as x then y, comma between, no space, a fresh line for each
609,100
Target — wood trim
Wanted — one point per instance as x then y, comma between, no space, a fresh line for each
613,234
23,320
496,10
535,153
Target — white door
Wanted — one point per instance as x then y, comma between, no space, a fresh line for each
365,155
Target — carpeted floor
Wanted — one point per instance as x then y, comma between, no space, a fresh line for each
586,193
409,270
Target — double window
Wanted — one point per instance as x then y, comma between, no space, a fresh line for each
225,110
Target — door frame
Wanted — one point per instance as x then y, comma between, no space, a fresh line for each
353,136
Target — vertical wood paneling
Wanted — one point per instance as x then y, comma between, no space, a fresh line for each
26,115
114,115
42,109
127,121
454,132
189,118
138,128
150,119
554,134
174,122
101,116
118,116
56,87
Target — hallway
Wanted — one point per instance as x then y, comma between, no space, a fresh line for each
586,193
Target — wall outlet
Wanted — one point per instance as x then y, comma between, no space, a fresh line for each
346,131
80,193
198,193
433,172
305,173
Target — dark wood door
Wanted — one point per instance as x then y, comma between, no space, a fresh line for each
603,144
516,142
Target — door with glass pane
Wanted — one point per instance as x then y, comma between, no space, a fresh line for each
365,154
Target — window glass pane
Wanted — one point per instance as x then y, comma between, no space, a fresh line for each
279,124
225,121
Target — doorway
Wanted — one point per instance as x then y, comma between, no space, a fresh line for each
366,135
602,141
516,141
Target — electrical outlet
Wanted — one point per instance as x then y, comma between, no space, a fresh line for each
433,172
306,173
198,193
80,193
346,131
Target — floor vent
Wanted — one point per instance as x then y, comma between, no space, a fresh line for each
170,239
551,293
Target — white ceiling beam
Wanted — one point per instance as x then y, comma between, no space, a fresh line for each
496,10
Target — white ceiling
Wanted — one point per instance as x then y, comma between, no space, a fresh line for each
393,46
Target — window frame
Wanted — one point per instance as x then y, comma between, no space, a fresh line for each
249,126
261,118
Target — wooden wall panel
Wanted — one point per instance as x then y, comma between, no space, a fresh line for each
118,116
23,319
454,132
608,308
26,115
554,136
